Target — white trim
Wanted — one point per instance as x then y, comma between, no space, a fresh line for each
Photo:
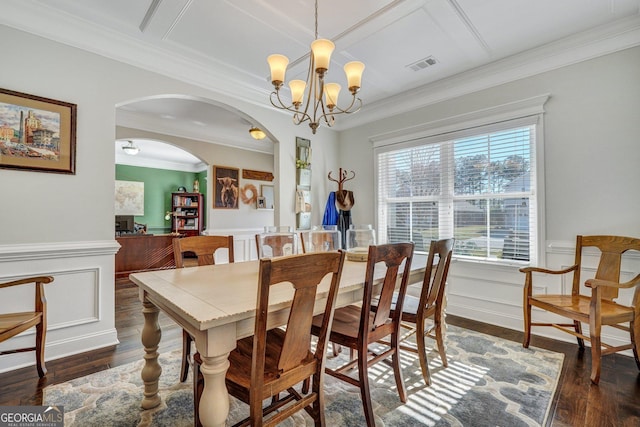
499,113
33,251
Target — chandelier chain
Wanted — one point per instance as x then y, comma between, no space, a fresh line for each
316,33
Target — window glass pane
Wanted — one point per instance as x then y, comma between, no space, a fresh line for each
425,224
399,222
470,227
425,171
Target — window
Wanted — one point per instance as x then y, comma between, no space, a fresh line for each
477,185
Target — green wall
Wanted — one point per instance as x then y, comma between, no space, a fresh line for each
158,186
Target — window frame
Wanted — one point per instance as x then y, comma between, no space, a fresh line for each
526,112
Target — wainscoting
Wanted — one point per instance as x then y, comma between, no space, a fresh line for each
80,299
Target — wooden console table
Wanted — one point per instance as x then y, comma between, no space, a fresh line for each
143,253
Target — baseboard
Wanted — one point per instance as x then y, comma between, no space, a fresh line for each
60,349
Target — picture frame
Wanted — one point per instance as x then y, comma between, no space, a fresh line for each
266,191
261,203
37,134
129,198
226,186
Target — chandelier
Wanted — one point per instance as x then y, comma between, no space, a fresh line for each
320,103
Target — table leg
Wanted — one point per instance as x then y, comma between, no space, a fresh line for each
214,403
151,371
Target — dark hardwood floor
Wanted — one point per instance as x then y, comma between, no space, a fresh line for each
615,402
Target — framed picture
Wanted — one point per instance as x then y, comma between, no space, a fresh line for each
37,134
129,198
261,204
267,193
226,184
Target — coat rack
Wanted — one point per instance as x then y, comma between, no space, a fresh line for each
344,176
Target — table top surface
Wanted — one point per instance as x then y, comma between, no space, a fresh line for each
213,295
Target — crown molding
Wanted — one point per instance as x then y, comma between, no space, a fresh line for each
46,21
622,34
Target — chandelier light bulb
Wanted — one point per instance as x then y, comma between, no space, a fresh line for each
322,50
278,65
354,70
331,92
297,91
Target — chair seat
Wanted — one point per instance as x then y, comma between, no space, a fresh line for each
346,323
239,373
577,307
15,321
409,309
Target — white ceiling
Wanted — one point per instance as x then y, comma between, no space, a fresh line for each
222,45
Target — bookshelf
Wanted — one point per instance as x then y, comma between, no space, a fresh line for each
187,209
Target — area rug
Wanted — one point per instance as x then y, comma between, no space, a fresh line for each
489,382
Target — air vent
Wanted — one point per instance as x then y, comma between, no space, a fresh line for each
423,63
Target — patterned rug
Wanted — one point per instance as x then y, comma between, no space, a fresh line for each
489,382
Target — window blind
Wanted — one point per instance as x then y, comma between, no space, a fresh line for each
476,185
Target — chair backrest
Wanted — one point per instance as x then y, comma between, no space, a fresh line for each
611,248
304,272
393,255
204,247
321,239
276,244
435,275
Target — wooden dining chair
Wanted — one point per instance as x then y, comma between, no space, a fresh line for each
597,309
416,311
276,244
358,326
204,248
12,324
272,362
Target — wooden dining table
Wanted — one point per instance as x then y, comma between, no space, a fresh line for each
216,304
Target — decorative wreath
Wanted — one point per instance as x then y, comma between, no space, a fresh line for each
249,188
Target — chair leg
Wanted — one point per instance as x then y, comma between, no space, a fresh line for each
422,352
186,351
527,323
41,335
634,330
318,404
578,328
365,393
397,368
596,349
440,342
336,349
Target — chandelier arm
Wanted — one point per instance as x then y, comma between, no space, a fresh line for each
303,115
348,109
